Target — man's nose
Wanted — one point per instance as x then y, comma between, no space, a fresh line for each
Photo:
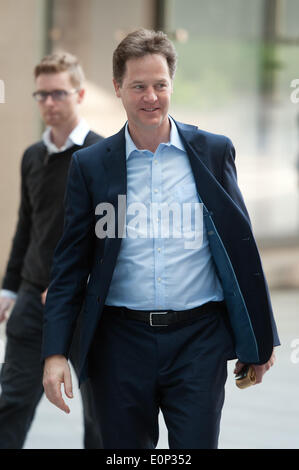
150,95
49,100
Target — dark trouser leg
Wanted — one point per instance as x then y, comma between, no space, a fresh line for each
21,374
192,387
122,368
92,436
135,369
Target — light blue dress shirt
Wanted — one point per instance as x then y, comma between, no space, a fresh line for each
156,269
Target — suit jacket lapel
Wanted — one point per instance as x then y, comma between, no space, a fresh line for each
207,185
214,197
116,173
115,164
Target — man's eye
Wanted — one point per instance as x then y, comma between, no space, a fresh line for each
58,94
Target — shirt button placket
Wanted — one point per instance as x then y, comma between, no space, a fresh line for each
157,194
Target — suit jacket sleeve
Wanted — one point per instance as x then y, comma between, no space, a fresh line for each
12,278
71,266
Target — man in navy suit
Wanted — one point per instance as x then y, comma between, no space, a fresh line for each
158,247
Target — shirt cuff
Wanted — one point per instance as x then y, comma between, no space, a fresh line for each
8,293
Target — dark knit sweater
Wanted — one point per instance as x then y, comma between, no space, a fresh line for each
41,214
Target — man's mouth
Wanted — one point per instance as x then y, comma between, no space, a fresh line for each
149,110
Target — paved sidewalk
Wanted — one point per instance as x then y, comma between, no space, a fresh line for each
263,417
266,416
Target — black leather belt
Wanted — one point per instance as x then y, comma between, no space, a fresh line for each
166,317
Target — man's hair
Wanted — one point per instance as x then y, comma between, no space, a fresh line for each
61,62
140,43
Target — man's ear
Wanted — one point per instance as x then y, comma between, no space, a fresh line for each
81,94
116,87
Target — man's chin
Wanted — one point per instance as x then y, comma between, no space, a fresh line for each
52,120
153,122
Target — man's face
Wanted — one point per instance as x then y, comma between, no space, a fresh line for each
53,112
145,91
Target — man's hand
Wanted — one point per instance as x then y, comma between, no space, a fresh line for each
260,370
57,372
5,305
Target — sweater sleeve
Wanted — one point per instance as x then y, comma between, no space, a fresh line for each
20,242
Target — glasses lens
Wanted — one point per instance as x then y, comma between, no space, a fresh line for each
39,96
59,95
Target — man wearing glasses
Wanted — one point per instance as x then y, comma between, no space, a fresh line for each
59,93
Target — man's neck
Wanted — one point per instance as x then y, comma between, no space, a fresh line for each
60,134
150,139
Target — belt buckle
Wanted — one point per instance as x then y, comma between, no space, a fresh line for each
156,313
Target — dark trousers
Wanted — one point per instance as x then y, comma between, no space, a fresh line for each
22,371
137,370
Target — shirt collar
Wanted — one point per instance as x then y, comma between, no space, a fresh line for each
76,137
174,140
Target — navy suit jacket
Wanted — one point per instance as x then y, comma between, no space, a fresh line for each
83,264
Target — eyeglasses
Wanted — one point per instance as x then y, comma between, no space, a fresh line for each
56,95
